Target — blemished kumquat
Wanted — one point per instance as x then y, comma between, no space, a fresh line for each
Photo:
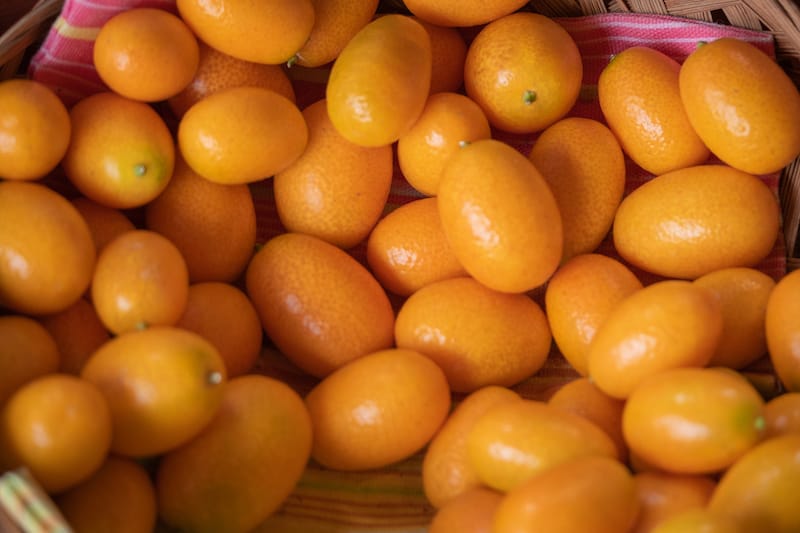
145,54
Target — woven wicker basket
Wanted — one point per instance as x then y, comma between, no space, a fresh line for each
24,23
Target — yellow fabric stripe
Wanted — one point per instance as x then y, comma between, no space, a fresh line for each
65,29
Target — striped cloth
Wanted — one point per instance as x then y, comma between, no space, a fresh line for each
391,499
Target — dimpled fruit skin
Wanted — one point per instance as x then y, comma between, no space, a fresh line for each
380,81
500,217
478,336
692,221
640,99
318,305
742,104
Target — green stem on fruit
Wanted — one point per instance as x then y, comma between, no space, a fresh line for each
463,144
214,377
139,170
529,97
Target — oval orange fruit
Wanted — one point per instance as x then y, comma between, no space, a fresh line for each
377,410
242,135
640,99
500,217
335,190
667,324
379,82
742,104
35,127
477,335
318,305
27,352
691,221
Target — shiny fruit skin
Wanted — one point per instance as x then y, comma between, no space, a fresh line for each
500,217
525,71
377,410
407,249
319,305
145,54
380,81
36,129
693,420
743,294
477,335
583,494
335,190
640,99
446,472
691,221
667,324
47,255
584,165
782,414
122,153
451,13
742,104
783,331
579,297
448,120
269,33
513,441
140,280
243,466
162,384
242,135
59,427
760,489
